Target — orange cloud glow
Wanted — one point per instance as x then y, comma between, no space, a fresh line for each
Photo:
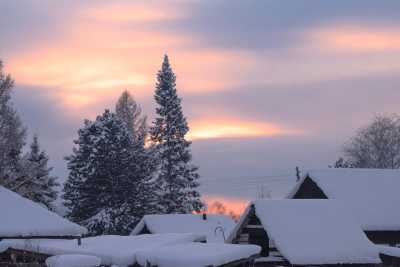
132,12
94,59
357,39
233,206
105,49
207,128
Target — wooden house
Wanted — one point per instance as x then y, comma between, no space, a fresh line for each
23,219
304,233
214,226
372,195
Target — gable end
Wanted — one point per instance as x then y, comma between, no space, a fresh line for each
309,190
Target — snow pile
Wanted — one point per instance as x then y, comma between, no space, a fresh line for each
214,227
112,249
315,232
22,217
73,261
370,194
196,254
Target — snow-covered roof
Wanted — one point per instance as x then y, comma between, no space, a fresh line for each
188,223
370,194
111,249
196,254
21,217
315,232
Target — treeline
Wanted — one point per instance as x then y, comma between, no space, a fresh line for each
120,169
26,173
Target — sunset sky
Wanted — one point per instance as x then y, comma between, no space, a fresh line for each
266,85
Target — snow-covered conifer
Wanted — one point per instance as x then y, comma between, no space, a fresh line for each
177,177
108,185
12,137
41,185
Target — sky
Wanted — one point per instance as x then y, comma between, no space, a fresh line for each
266,85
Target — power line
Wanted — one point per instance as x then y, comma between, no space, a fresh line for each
249,178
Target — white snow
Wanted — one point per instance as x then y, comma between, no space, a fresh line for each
73,261
21,217
315,232
196,254
163,250
188,223
270,258
370,194
390,251
117,250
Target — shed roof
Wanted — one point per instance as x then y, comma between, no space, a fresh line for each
188,223
21,217
372,195
308,232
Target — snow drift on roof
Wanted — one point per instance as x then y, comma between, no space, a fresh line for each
390,251
111,249
370,194
196,254
188,223
23,217
315,232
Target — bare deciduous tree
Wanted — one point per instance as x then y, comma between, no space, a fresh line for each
130,112
375,146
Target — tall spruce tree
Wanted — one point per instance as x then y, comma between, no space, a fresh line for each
42,185
12,138
108,187
130,112
177,177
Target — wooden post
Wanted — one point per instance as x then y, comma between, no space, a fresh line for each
297,174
